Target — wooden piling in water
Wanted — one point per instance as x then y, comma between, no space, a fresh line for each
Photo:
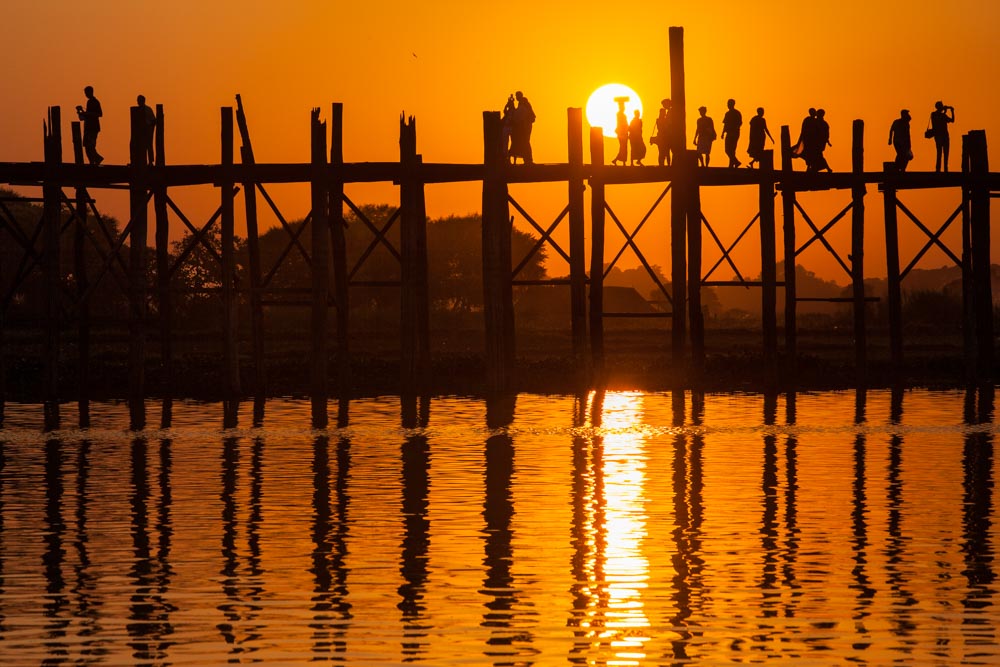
768,270
51,233
338,244
597,255
414,300
968,293
82,284
577,250
164,300
688,191
230,309
895,296
320,272
788,234
678,207
981,263
498,306
138,180
858,251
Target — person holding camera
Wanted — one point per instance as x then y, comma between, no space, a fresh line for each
91,117
940,117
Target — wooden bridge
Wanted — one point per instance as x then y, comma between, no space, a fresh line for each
64,225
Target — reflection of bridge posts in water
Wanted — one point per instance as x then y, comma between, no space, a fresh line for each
66,296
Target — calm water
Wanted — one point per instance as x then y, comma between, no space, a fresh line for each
628,529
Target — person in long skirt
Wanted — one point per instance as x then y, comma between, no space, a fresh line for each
704,135
758,130
637,144
621,131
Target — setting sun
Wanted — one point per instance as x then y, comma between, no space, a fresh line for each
602,107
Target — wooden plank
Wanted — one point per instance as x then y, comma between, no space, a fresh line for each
858,253
320,273
138,181
597,256
892,269
577,250
498,306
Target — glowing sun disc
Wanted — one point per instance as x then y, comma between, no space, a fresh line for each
602,108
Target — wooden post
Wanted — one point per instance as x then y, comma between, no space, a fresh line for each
678,207
414,304
498,295
892,267
338,240
768,269
230,311
597,254
788,228
138,180
165,307
858,190
82,284
980,231
253,248
320,272
51,232
968,281
577,264
686,182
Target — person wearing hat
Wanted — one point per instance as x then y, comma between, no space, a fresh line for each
704,135
899,138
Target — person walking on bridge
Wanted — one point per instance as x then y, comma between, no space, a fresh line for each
899,138
91,117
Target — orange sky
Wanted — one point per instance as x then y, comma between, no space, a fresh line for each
446,61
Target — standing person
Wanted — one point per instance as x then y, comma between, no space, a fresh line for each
660,138
805,146
635,139
731,124
940,117
899,138
621,131
704,135
758,130
507,128
148,127
520,140
822,141
91,117
669,140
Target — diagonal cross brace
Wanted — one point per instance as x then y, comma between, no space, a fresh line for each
818,235
546,235
934,239
631,237
638,253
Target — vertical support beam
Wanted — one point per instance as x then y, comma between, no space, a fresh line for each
858,190
597,254
892,266
498,306
230,323
414,301
768,269
82,284
320,272
138,180
253,248
51,231
577,259
688,191
165,306
678,207
980,230
968,282
788,226
340,277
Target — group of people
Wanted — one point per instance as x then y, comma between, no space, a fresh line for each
91,116
629,134
814,137
518,117
937,129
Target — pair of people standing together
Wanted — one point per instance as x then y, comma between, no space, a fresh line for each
937,129
629,135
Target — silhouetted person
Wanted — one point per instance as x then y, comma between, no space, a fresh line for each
638,144
659,138
940,117
621,131
148,127
520,140
807,138
507,128
704,135
731,124
91,117
758,130
899,138
669,141
822,141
